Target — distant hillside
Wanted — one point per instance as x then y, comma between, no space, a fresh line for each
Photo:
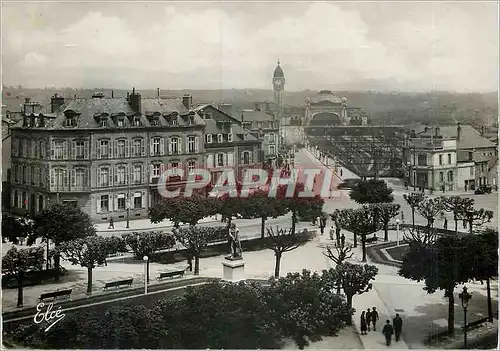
436,107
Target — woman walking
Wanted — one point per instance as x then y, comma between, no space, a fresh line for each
363,323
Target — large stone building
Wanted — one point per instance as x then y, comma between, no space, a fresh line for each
104,154
329,109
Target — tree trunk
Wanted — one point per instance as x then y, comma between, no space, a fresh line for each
263,227
363,245
386,231
278,262
48,259
355,240
196,264
456,224
451,311
294,219
57,265
349,303
89,281
20,283
413,217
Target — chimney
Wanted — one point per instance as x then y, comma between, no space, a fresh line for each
158,92
112,93
187,101
459,131
56,103
436,132
135,101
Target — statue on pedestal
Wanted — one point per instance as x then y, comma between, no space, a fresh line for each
234,237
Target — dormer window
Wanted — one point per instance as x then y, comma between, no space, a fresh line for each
137,121
174,122
155,121
120,122
219,138
103,122
230,137
70,121
209,138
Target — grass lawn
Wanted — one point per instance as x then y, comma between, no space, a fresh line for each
397,253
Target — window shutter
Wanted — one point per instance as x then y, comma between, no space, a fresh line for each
73,178
127,153
210,161
98,149
151,150
116,148
73,150
86,178
42,175
110,148
162,146
230,159
98,177
65,150
128,176
116,202
111,174
187,145
169,146
86,150
162,168
143,149
242,157
98,204
197,144
52,150
179,146
151,173
66,175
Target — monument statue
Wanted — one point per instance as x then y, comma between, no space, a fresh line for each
234,237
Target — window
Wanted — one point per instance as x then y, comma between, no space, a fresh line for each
220,160
79,150
137,151
58,149
259,125
121,122
17,174
441,177
103,176
191,166
156,170
272,149
80,178
137,121
440,159
16,199
59,178
120,148
155,121
137,174
42,149
104,122
230,137
36,175
174,165
191,144
219,138
208,138
25,200
174,121
449,158
42,176
137,200
70,121
271,137
104,148
40,202
28,175
246,157
156,146
450,176
174,146
104,203
120,175
121,201
422,160
25,148
482,167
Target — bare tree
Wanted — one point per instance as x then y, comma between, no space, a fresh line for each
413,200
343,253
457,205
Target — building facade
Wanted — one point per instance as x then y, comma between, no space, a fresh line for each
104,155
329,109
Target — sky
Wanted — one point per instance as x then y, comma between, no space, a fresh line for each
402,46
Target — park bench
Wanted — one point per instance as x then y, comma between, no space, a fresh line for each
118,283
373,239
55,295
171,274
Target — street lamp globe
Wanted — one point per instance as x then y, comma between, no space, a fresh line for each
397,221
145,258
465,297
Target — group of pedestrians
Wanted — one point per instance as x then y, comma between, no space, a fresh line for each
369,319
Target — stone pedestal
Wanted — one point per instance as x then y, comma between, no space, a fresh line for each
233,271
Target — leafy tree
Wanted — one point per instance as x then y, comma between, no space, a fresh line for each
17,262
355,279
385,212
87,252
219,316
371,191
344,252
179,210
14,227
284,240
148,243
458,206
60,223
440,265
305,307
477,218
195,240
413,200
115,244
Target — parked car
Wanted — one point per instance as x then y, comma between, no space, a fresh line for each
349,183
483,189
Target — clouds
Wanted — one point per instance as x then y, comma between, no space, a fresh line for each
212,46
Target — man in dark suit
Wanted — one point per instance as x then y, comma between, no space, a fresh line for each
397,323
388,331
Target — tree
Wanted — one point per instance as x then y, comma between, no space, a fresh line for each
305,307
354,279
429,209
385,212
87,252
440,265
148,243
477,218
342,220
457,205
344,252
413,200
188,210
284,240
17,262
195,239
14,227
371,191
60,223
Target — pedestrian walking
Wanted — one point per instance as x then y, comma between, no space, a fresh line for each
341,172
374,318
445,224
332,233
322,224
363,323
388,331
368,316
342,240
111,224
397,323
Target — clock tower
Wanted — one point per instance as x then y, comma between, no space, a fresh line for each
279,87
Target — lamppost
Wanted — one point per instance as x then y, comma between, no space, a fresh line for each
128,211
146,274
470,218
465,297
397,231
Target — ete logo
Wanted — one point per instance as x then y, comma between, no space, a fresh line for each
48,315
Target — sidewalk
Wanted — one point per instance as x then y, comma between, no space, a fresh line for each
346,174
145,224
